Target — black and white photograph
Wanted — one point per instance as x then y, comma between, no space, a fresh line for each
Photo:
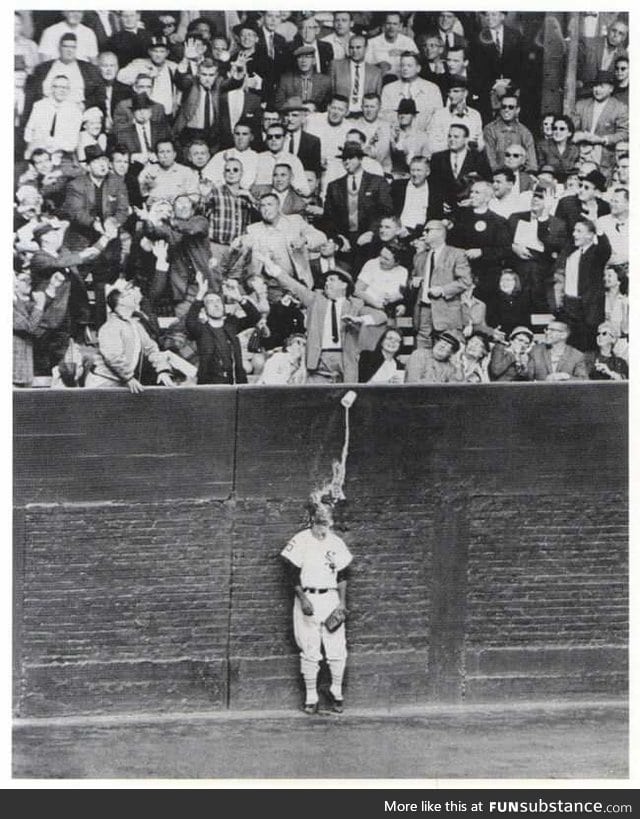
320,401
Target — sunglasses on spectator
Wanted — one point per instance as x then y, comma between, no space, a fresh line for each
559,128
275,136
508,106
514,156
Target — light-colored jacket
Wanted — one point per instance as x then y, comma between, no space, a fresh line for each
122,344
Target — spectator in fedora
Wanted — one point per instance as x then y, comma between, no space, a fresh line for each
334,321
602,121
304,81
587,203
408,139
162,71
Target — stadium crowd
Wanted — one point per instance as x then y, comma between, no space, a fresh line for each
291,198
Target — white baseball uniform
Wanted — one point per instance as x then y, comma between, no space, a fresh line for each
319,562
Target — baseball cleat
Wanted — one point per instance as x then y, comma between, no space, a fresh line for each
311,708
335,705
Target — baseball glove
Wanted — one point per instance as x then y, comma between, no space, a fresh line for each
335,619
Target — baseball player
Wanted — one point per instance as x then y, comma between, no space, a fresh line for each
318,561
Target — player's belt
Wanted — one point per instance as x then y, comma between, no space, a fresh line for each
316,591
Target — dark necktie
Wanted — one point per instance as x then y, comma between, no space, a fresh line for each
356,82
334,323
290,149
455,166
270,46
619,226
147,144
498,43
53,124
207,110
354,187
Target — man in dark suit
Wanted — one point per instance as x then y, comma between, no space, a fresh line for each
579,284
586,203
66,64
103,24
308,32
273,45
199,113
238,105
449,170
141,136
219,353
298,142
95,201
357,200
110,92
132,41
537,238
123,112
353,78
304,81
484,236
497,52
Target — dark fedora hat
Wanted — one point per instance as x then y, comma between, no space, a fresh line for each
92,152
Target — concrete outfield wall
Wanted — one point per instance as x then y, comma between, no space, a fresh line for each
488,524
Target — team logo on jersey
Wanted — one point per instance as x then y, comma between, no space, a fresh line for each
480,226
330,558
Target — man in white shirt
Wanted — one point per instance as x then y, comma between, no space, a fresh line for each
284,240
414,201
55,122
330,128
72,24
456,110
339,37
426,95
167,178
159,68
505,200
615,226
376,130
385,49
242,151
274,154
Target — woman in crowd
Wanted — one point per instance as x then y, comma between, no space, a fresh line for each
559,151
92,132
616,304
510,306
473,360
381,366
607,366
